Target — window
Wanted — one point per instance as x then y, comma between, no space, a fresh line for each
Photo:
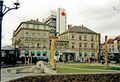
109,45
38,35
27,25
119,47
79,37
113,46
80,45
92,45
44,45
113,49
72,46
85,37
61,44
73,43
33,26
85,45
109,49
33,34
37,26
44,35
32,46
92,38
53,23
53,19
26,40
66,37
72,36
38,45
26,32
26,45
65,45
56,44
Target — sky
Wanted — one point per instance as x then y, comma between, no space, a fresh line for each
97,15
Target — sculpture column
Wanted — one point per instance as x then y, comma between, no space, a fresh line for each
106,52
52,51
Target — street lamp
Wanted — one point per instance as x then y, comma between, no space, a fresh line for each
3,10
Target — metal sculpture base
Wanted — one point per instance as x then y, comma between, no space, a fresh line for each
39,68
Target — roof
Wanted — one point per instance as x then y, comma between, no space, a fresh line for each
34,22
79,29
117,38
110,41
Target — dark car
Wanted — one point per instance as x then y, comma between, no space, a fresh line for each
42,59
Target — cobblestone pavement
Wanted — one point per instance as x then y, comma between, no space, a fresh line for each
5,77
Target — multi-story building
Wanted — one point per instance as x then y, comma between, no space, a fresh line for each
8,56
51,21
32,37
57,21
61,20
117,44
113,46
78,43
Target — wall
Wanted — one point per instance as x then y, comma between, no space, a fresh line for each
111,77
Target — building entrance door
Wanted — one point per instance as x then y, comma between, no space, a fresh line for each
68,57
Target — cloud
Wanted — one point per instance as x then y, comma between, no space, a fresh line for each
98,15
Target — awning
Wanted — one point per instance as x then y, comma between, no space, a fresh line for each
38,53
42,59
56,53
80,54
32,52
85,54
26,52
92,54
44,52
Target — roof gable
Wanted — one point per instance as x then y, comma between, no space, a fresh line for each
34,22
80,29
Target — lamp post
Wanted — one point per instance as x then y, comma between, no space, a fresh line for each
3,10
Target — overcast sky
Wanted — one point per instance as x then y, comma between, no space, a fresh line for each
97,15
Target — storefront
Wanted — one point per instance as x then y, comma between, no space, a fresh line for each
67,57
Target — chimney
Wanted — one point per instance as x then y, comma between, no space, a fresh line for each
69,26
82,25
37,19
43,19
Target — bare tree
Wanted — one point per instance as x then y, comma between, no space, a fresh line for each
114,8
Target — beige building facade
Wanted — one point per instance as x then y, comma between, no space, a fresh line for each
57,21
113,49
78,43
32,38
113,45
